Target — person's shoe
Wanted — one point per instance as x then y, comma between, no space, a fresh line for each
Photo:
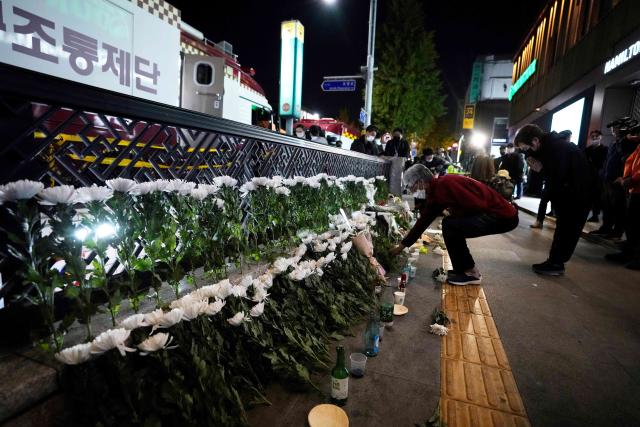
600,232
620,257
463,279
593,219
549,268
536,224
633,265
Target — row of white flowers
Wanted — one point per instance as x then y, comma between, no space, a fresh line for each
210,299
67,194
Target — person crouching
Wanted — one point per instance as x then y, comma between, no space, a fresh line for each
475,210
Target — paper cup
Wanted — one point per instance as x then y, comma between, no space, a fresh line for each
358,363
398,298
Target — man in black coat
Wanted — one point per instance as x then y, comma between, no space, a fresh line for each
514,163
397,146
366,143
596,154
570,181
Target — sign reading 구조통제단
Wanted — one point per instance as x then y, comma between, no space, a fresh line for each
622,57
111,44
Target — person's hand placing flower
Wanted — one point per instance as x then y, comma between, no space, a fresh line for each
396,250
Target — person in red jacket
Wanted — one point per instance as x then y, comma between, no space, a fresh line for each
475,210
630,254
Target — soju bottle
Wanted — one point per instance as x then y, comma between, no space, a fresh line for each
372,336
339,379
386,306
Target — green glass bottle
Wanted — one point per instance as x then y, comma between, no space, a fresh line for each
386,306
339,379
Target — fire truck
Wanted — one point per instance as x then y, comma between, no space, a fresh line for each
141,48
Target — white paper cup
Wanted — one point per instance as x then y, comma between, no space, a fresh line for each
398,298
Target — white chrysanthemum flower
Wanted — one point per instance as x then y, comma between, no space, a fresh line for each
260,181
306,236
215,307
133,322
160,319
299,179
438,329
199,193
289,182
190,305
381,178
259,293
257,310
313,183
238,319
63,194
113,338
20,190
299,274
247,187
219,203
143,188
75,355
332,247
276,180
239,291
346,247
246,281
225,181
302,249
122,185
266,280
329,258
179,186
343,256
224,289
281,265
320,247
155,342
162,184
283,191
93,194
211,189
205,292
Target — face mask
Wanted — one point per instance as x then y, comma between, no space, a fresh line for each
300,134
370,138
420,194
596,140
429,158
510,150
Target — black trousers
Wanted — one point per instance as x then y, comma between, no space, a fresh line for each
571,215
456,230
613,208
596,206
542,207
632,244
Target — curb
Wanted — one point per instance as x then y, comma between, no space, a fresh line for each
586,236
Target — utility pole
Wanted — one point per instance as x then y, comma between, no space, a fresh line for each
368,100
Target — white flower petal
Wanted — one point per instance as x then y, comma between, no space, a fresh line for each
75,355
63,194
20,190
122,185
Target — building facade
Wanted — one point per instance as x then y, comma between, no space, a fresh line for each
487,102
578,68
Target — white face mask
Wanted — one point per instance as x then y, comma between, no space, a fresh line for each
300,134
420,194
370,138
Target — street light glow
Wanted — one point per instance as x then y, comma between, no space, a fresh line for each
330,2
105,230
478,139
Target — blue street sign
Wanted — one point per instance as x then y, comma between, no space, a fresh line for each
339,85
363,116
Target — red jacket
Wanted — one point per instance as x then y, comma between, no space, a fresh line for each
462,196
632,170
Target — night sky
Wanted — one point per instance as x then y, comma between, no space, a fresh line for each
336,39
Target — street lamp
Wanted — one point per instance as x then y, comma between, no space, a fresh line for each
367,71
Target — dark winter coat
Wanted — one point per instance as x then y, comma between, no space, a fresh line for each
361,145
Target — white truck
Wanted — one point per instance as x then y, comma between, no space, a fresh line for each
141,48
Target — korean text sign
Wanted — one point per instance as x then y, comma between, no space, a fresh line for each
111,44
